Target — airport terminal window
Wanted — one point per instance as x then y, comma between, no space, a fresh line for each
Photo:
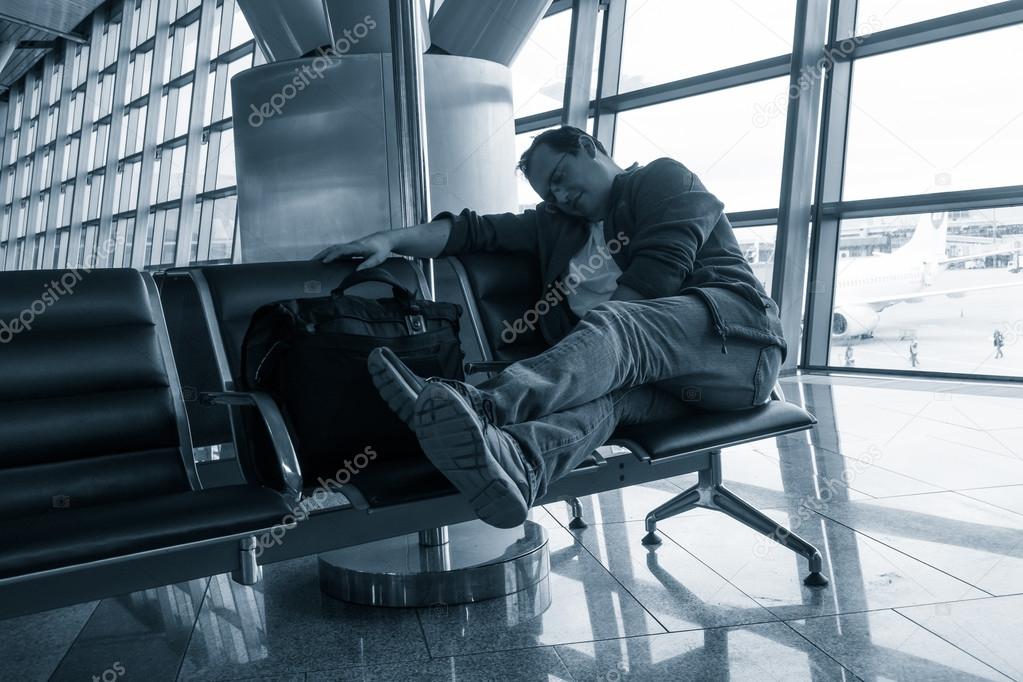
928,292
947,128
235,67
123,231
733,139
538,72
240,32
667,40
126,189
225,163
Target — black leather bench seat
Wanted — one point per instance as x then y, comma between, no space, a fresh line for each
711,430
70,536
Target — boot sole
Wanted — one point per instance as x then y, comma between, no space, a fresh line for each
450,435
392,385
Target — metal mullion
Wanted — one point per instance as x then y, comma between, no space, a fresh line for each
745,74
823,262
81,169
4,136
759,218
609,76
16,208
212,161
117,121
792,240
227,10
545,119
159,232
576,106
220,86
190,16
51,239
188,192
941,28
988,197
38,184
7,107
142,214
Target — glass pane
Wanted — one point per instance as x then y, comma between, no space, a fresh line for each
733,139
60,253
954,125
174,160
64,203
757,243
30,138
234,68
170,236
240,32
885,14
225,167
190,38
929,292
538,72
113,36
56,81
222,238
666,40
184,105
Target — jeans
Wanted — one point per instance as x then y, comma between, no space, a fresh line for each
625,362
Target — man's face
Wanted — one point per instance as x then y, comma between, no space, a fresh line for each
573,182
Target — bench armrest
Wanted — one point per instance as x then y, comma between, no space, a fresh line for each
287,459
481,367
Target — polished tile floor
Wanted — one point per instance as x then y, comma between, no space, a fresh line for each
913,491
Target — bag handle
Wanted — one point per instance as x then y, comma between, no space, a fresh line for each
375,275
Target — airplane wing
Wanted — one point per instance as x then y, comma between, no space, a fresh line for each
879,304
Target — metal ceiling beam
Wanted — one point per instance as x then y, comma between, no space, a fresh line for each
7,48
73,37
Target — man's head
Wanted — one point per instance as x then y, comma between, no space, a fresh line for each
571,171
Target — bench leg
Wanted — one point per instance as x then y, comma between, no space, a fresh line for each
576,508
710,493
249,571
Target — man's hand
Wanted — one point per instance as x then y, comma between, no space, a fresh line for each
375,248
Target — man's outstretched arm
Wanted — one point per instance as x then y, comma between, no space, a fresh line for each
420,241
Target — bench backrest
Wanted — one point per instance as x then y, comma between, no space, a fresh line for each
92,412
505,288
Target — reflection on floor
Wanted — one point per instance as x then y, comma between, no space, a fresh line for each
913,491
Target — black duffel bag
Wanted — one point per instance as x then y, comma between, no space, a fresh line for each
310,354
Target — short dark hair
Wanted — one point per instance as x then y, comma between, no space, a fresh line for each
563,139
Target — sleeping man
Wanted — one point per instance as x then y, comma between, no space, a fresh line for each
649,306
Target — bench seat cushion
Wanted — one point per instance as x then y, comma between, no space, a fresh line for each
70,536
709,430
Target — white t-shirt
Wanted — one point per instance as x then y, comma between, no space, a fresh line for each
592,275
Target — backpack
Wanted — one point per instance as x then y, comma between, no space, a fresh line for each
310,355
